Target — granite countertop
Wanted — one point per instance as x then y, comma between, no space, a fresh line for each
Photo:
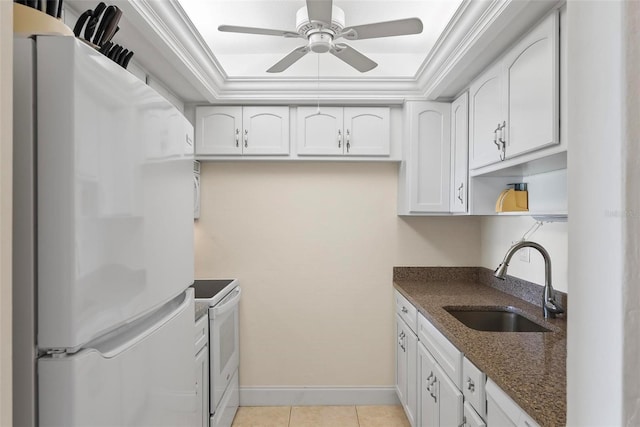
202,308
529,366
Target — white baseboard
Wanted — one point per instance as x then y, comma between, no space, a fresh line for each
305,396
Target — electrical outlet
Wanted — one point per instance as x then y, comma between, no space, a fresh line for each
525,254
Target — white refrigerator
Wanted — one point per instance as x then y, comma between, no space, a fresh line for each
103,244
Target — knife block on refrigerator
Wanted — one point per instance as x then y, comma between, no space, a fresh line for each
28,21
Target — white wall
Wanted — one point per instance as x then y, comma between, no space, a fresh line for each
597,207
314,245
6,142
498,234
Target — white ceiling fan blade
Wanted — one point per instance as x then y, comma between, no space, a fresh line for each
353,58
320,10
401,27
261,31
289,60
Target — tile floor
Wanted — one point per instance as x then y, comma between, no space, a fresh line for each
320,416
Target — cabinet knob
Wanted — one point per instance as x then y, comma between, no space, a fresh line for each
339,138
237,137
404,309
246,138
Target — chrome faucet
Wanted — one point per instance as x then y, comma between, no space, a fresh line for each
550,307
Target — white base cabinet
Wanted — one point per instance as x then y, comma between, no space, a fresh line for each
406,357
502,411
441,402
202,369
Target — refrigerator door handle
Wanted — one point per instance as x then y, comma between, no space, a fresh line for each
121,341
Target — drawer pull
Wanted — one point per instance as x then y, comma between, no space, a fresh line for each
404,309
470,385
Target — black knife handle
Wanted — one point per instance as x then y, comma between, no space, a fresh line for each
81,21
112,25
93,22
106,18
59,12
125,61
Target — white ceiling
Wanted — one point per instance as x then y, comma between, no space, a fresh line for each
248,56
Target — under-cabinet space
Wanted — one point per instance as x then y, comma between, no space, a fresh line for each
547,193
242,131
343,131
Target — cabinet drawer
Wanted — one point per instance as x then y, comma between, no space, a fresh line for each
201,336
473,382
445,353
406,311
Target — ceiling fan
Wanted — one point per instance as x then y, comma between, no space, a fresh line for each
322,24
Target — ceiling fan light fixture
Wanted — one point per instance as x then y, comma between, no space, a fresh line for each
320,42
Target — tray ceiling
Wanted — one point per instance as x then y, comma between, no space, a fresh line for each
247,56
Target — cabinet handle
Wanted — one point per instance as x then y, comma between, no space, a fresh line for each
498,139
470,385
339,138
246,138
503,152
348,143
237,137
404,309
460,193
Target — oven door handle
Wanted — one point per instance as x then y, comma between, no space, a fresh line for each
229,305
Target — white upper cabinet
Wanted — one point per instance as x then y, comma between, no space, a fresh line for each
459,153
349,131
320,133
366,131
485,118
514,105
425,174
266,130
218,130
531,75
242,130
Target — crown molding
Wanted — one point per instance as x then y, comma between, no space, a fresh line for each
479,31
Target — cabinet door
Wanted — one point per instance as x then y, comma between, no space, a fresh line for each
531,77
449,400
366,131
485,115
265,130
202,386
427,396
496,417
459,153
471,417
412,377
401,361
430,156
218,130
320,134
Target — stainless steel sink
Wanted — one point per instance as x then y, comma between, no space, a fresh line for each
495,319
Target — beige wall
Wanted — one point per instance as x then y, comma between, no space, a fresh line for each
6,141
498,233
314,245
